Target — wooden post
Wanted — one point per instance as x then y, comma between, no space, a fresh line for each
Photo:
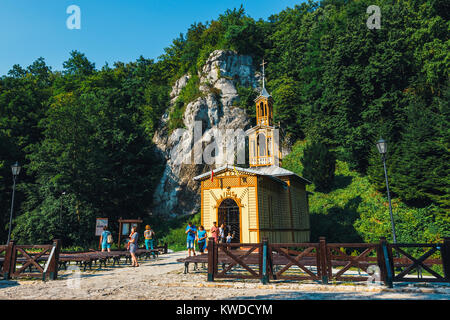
381,260
211,262
264,273
387,263
120,233
12,264
323,260
53,267
165,248
8,260
445,253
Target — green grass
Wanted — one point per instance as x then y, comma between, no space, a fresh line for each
176,236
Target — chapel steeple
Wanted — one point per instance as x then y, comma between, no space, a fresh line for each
263,138
264,103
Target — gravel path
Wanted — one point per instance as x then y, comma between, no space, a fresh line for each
164,279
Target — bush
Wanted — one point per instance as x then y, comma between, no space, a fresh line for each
176,237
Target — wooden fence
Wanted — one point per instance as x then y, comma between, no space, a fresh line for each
326,262
39,260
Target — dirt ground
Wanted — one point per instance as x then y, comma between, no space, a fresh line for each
163,279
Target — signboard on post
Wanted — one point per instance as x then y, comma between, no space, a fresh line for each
101,222
125,226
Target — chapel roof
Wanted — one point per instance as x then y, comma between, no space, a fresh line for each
272,172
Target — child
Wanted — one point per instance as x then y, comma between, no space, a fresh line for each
229,237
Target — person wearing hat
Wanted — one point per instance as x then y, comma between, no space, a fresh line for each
149,235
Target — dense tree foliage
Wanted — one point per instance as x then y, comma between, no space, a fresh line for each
319,164
84,138
86,132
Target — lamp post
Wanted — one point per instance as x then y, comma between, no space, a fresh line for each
382,149
15,168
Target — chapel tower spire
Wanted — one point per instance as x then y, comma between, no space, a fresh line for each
264,103
263,138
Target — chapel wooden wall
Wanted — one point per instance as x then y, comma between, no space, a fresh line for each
283,212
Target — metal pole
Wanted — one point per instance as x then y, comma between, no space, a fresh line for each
389,199
12,208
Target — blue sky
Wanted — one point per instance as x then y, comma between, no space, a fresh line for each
111,30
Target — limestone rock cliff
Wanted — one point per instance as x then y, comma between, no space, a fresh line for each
177,193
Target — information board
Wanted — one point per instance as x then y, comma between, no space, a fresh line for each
101,222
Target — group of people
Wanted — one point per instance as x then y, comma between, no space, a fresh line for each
132,244
200,235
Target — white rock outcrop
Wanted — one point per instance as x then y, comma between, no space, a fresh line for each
177,193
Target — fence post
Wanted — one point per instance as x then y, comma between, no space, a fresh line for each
264,273
53,267
165,248
8,260
387,262
445,253
323,260
381,260
211,262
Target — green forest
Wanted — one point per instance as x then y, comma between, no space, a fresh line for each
84,134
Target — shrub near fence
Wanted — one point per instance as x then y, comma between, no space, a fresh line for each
326,262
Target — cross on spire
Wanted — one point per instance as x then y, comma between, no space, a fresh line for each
263,72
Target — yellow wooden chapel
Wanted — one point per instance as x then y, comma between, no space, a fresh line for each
264,200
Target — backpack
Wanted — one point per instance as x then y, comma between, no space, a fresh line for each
109,239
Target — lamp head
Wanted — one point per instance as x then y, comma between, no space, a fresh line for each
382,146
15,168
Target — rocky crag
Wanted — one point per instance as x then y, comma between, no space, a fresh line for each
177,194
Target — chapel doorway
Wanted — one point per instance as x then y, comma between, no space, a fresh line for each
228,214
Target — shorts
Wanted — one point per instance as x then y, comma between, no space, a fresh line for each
190,244
201,246
106,246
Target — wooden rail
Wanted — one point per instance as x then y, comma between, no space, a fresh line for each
30,257
45,260
326,262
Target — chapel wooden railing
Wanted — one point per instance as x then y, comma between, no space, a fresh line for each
324,262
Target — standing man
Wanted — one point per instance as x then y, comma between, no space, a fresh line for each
191,232
214,231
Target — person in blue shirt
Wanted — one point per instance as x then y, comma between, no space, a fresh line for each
201,239
191,232
104,240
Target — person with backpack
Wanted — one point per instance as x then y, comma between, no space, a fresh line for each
106,239
149,236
